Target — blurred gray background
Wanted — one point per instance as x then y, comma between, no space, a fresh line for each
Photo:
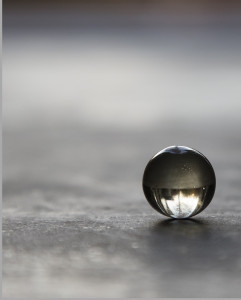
92,90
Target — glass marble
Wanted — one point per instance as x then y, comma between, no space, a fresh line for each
179,182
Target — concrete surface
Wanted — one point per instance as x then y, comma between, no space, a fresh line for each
68,235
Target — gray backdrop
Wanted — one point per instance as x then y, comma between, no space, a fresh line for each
89,98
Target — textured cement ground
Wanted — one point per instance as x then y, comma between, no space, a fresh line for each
67,234
83,113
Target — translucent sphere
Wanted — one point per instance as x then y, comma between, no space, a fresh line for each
179,182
